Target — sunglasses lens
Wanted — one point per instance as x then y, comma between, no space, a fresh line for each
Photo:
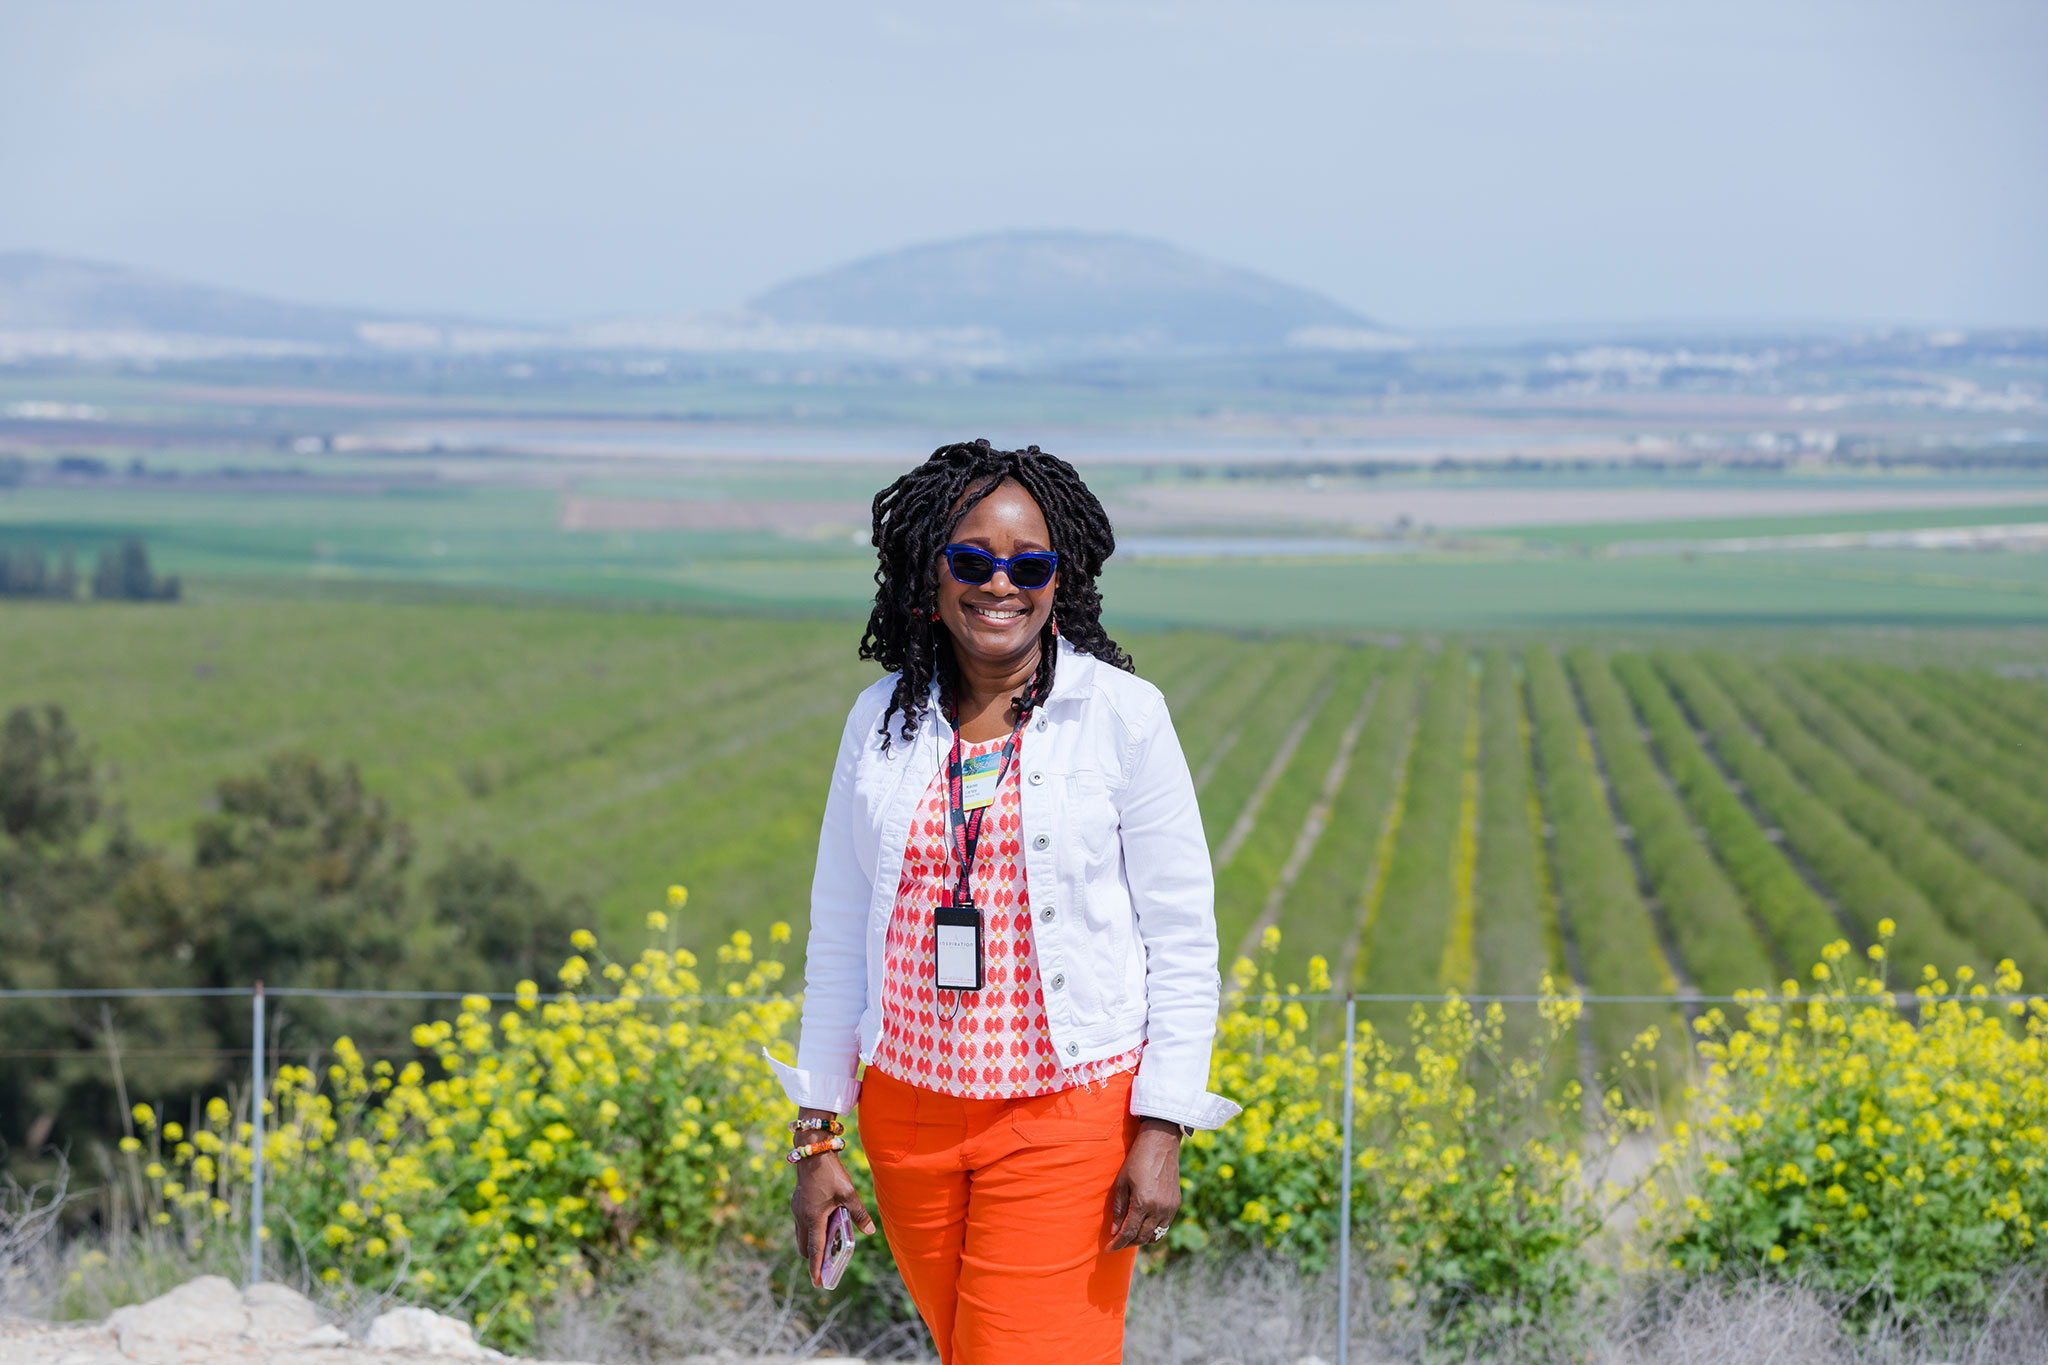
971,566
1030,571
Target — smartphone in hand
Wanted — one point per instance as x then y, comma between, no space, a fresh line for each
838,1247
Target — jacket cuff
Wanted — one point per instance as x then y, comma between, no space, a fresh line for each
815,1089
1196,1109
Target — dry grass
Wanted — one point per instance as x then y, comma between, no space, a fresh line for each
1251,1310
671,1310
1259,1312
1712,1322
28,1217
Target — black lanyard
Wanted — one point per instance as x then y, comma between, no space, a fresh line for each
963,827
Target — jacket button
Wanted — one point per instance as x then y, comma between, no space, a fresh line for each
1073,1048
1046,914
1059,980
1041,722
1041,843
1037,778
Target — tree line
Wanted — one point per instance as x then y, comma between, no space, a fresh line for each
295,875
122,573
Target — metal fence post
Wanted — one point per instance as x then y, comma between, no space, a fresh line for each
256,1089
1344,1193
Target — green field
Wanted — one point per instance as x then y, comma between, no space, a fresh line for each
1463,766
1423,814
508,538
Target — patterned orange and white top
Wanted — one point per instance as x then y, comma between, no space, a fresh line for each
994,1045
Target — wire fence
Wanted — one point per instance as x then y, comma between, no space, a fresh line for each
259,997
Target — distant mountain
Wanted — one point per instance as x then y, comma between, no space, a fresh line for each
1050,288
40,292
979,299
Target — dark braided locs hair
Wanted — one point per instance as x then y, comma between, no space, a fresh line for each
915,518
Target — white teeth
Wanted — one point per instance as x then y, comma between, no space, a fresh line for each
995,615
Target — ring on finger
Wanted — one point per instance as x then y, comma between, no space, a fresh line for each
1159,1233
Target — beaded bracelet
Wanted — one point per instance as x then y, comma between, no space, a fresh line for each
831,1125
811,1149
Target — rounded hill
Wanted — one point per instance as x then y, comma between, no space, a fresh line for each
38,290
1053,287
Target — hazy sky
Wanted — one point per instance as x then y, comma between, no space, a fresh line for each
1429,162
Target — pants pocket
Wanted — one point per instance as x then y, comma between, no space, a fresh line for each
1083,1113
887,1117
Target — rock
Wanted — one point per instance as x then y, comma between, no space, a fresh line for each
279,1313
325,1335
423,1333
205,1309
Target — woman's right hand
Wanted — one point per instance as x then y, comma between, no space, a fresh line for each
823,1185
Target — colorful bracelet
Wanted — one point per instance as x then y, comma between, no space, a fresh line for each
811,1149
831,1125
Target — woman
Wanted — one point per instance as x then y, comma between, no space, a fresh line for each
1036,1034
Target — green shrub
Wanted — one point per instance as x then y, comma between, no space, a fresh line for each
1841,1143
1470,1190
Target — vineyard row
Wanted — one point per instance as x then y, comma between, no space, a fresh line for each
1656,823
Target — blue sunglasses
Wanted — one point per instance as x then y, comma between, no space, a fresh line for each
975,567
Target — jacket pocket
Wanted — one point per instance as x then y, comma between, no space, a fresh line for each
1089,826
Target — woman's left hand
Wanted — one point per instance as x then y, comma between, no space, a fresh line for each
1148,1188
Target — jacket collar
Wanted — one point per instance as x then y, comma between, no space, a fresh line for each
1072,676
1074,673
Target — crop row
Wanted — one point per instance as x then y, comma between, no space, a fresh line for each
1514,922
1460,970
1718,945
1866,886
617,789
1211,728
1405,950
1427,821
1970,731
1298,675
1608,923
1188,678
1332,901
1246,882
1981,910
1980,815
1796,919
2019,711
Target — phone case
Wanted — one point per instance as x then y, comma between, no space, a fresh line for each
838,1247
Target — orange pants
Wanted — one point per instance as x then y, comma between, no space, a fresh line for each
998,1212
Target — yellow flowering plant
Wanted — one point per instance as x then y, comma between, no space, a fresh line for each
531,1147
187,1182
528,1149
1470,1187
1895,1152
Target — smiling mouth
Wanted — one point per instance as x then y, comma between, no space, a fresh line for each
998,613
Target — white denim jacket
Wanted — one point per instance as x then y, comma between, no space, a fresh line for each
1118,871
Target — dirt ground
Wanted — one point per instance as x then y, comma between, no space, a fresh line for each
209,1320
1450,508
1296,505
29,1343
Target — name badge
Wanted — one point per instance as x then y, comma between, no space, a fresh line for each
956,948
978,778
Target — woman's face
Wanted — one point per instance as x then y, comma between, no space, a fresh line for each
997,621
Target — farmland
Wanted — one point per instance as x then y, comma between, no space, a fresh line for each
1199,550
1423,814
